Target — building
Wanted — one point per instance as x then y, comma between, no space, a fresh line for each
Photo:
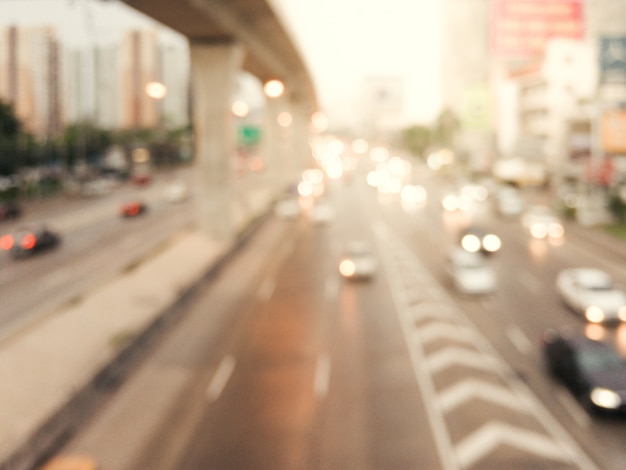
89,61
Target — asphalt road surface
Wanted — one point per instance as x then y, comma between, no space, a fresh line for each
280,363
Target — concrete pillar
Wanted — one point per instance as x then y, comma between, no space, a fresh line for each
302,152
213,77
275,148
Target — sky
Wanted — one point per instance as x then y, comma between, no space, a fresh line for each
343,42
346,41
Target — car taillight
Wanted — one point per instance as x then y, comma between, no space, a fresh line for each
28,241
6,242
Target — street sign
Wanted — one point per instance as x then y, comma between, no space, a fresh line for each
249,135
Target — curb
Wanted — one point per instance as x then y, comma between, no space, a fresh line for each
59,427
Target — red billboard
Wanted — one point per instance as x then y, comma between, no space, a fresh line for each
521,28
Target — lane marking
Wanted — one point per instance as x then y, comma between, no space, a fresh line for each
220,379
519,339
573,408
322,375
266,290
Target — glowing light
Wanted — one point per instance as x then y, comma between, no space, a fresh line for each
360,146
240,108
471,243
6,242
284,119
594,314
305,188
319,121
274,88
156,90
347,268
28,241
492,243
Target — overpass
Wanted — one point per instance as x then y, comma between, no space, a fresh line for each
225,37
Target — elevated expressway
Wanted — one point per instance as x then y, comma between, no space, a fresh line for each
225,37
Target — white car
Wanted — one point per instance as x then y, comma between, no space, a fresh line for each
470,272
358,261
542,223
592,293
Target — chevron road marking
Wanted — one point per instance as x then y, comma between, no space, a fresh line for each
472,389
453,355
494,434
554,443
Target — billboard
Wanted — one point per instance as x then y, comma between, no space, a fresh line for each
521,28
613,59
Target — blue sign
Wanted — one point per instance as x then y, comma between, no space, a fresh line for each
613,59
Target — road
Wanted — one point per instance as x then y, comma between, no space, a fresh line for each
280,363
96,244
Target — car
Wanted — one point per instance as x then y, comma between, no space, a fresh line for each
470,272
592,293
28,240
479,240
133,208
358,261
509,202
10,210
592,370
542,223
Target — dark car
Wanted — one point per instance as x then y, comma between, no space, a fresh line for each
133,209
9,210
29,240
592,370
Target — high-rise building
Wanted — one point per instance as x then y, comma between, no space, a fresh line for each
90,62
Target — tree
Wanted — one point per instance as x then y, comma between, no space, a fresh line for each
416,139
446,127
10,133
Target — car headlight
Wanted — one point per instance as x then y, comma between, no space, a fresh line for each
347,268
594,314
605,398
556,230
622,313
471,242
491,243
538,231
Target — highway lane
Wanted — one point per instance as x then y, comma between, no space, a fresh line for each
294,368
96,244
523,307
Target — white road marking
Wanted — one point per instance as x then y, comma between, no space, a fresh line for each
519,339
266,290
573,408
493,434
473,389
220,379
455,356
322,375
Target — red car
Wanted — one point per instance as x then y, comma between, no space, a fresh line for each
133,209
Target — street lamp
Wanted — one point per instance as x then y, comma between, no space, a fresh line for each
156,90
274,88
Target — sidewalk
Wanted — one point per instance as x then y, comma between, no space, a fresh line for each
53,371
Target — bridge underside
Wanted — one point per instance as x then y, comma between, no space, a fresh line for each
270,52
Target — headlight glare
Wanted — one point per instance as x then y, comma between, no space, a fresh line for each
605,398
